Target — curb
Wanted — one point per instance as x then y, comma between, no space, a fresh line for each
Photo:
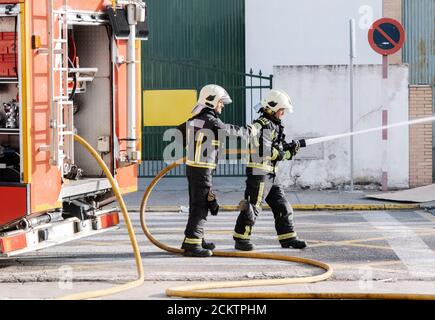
340,207
305,207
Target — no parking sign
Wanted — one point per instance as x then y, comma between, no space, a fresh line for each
386,37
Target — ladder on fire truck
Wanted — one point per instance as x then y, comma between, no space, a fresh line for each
62,114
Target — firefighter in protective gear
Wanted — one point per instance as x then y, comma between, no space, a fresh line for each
262,183
201,134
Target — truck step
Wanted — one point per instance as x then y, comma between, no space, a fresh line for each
24,241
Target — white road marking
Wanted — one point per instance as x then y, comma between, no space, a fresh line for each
409,247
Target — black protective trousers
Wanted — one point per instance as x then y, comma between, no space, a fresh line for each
200,183
260,188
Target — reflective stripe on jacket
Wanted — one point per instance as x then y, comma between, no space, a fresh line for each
201,134
267,145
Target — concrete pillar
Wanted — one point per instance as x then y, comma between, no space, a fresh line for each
393,9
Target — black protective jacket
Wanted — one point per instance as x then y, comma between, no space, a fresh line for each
203,136
267,147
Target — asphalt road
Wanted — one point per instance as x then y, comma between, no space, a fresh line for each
376,251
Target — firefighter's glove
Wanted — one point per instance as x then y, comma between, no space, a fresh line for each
291,149
254,129
287,155
213,206
278,153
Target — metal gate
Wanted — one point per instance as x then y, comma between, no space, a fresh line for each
245,90
193,43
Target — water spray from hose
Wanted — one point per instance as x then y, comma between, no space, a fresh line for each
313,141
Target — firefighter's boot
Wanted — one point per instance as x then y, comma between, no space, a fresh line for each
208,245
293,243
195,250
244,245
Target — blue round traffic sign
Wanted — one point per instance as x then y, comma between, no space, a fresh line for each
386,36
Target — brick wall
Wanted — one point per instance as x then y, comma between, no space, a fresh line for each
393,9
420,137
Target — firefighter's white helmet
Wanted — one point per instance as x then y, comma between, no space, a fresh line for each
211,94
276,100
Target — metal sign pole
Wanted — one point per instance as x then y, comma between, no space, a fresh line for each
385,67
352,56
386,37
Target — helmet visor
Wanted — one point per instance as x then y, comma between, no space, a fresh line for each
226,99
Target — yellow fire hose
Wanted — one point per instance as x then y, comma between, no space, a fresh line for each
140,272
199,290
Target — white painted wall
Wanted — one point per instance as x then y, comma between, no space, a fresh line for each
321,98
308,32
311,37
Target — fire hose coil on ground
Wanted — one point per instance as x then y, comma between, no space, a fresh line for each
199,290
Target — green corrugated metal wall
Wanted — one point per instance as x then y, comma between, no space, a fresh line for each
419,49
193,43
419,23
